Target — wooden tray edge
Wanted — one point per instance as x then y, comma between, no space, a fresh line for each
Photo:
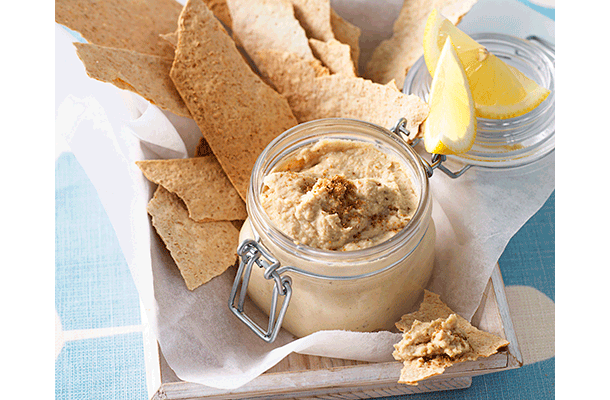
377,379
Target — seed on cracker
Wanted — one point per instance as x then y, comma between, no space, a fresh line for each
201,250
434,338
393,57
144,74
132,25
236,111
201,183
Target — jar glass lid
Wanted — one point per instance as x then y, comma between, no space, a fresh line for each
513,142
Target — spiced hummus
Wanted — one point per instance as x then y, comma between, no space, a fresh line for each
339,195
440,337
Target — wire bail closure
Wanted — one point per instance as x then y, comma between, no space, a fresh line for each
400,130
252,253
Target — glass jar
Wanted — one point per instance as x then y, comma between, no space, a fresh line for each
514,142
362,290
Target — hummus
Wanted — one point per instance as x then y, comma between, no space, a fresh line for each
326,192
437,338
339,195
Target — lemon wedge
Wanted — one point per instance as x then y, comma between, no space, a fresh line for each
500,91
451,126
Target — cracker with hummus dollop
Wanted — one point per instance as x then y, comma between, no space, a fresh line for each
435,338
201,250
314,95
201,183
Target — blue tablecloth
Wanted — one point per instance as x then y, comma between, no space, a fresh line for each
95,292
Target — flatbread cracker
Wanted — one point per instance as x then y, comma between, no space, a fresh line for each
314,17
346,33
392,84
238,224
236,111
314,95
334,55
171,38
393,57
133,25
268,24
201,250
144,74
433,310
201,183
221,11
203,148
416,370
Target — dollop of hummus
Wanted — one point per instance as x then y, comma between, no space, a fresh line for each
427,340
339,195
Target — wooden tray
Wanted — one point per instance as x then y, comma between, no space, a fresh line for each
302,376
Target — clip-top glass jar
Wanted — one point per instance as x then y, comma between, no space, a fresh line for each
306,289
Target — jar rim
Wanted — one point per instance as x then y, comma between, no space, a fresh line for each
288,142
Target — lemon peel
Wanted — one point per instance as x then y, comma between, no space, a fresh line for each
451,126
500,91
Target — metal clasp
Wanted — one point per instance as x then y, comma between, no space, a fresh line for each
252,253
400,130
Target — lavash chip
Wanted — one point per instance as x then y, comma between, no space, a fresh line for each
235,110
313,94
219,8
171,38
268,24
143,74
334,55
221,11
392,84
433,311
201,183
346,33
314,17
201,250
394,56
132,25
